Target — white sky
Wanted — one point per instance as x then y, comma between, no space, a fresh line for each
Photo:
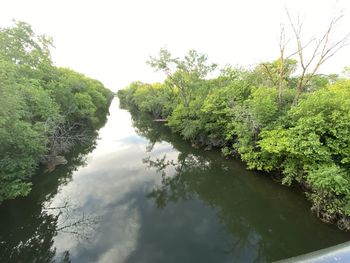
111,40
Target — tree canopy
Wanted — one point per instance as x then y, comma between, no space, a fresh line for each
37,100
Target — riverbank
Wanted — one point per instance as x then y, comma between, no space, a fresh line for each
45,110
300,138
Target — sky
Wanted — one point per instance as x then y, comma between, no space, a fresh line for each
111,40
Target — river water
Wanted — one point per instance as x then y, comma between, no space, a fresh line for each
141,194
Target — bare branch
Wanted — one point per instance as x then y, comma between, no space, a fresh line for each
322,51
269,73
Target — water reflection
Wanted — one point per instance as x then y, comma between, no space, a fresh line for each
33,241
29,225
261,221
70,220
210,180
144,195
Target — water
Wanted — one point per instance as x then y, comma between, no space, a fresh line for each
141,194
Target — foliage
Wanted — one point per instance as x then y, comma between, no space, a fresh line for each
184,75
316,135
36,100
157,99
268,73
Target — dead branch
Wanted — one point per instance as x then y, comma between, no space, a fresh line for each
323,50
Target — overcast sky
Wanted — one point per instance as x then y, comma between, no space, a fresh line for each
110,40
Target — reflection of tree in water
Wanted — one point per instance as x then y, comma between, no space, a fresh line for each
205,175
39,246
259,218
145,126
72,221
195,175
28,225
175,187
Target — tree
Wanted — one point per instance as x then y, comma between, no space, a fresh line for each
185,74
29,51
27,114
41,107
277,73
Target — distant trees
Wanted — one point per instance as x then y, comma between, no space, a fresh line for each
185,75
37,101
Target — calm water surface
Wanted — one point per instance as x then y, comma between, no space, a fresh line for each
144,195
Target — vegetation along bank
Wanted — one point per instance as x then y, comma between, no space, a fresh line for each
294,126
44,110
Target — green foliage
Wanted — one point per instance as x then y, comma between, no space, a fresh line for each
186,120
152,98
185,75
157,99
126,95
36,100
84,104
268,73
22,143
218,107
315,135
263,105
331,190
79,97
330,179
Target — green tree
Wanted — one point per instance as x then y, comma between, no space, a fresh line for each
185,75
38,101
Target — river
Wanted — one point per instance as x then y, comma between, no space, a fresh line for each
141,194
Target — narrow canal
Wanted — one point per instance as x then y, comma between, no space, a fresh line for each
141,194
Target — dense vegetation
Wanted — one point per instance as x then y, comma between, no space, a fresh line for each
270,117
44,109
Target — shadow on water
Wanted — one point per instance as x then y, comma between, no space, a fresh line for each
256,220
28,225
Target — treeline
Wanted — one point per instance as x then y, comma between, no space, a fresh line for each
44,110
300,134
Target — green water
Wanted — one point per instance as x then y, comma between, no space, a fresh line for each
141,194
